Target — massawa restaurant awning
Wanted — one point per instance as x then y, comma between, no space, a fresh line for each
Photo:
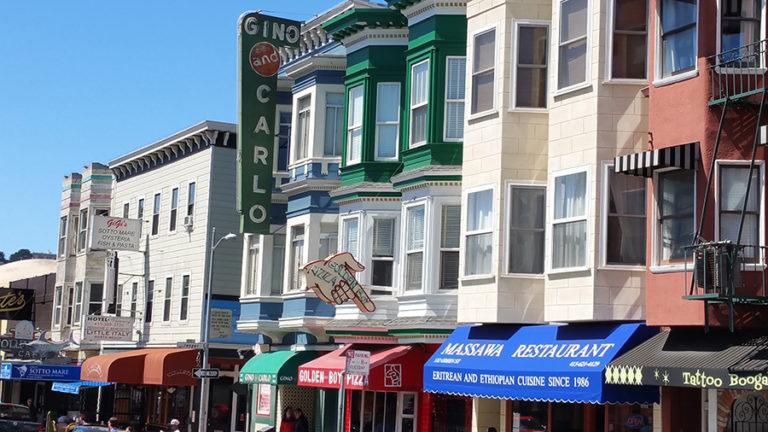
691,358
74,387
392,368
278,367
558,363
152,366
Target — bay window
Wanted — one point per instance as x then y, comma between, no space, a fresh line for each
350,236
302,123
78,303
419,102
252,283
677,36
629,39
355,125
479,233
284,140
531,68
675,223
57,303
572,55
450,236
329,240
334,124
455,78
278,260
569,223
414,254
483,71
383,254
95,298
624,241
731,194
81,236
297,257
526,218
62,236
387,120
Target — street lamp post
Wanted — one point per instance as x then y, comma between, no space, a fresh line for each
203,417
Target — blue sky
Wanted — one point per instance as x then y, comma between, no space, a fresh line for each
84,81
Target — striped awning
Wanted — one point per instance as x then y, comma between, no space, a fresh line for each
685,156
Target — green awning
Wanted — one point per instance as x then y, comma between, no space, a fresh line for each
278,367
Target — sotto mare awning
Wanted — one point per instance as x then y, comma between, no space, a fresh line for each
542,362
154,366
278,367
685,156
392,368
692,358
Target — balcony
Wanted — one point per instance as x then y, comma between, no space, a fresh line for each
738,74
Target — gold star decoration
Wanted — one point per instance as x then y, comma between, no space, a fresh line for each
656,374
666,377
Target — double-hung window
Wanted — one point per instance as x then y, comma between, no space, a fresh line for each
140,209
387,120
572,55
450,236
455,79
479,233
677,36
531,68
156,215
329,240
57,301
63,236
414,253
167,299
569,223
733,188
355,125
302,123
70,304
174,208
526,218
483,71
95,298
119,301
184,310
134,298
278,264
624,241
297,257
740,26
675,223
629,39
191,199
81,235
252,287
78,303
334,124
150,301
350,231
419,101
126,209
383,254
283,140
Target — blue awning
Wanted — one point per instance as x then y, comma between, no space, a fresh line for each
39,372
74,387
562,363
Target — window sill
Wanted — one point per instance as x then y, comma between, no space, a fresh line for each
525,110
573,88
394,159
522,276
483,115
489,278
620,267
676,78
568,270
626,81
741,71
674,268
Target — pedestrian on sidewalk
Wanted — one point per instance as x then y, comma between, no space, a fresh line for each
302,425
288,422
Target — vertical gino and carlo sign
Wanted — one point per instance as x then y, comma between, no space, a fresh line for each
259,40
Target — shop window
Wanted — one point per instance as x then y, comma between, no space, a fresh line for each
530,415
677,36
355,125
483,71
419,101
479,233
572,57
569,223
284,141
675,219
163,405
167,299
383,255
376,411
62,236
629,39
630,418
451,413
334,124
303,125
174,209
624,212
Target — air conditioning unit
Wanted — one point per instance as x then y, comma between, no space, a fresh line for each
716,267
188,223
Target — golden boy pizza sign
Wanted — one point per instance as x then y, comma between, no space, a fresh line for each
333,280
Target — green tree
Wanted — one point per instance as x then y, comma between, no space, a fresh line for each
2,258
21,254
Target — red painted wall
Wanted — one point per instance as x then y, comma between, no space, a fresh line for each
679,114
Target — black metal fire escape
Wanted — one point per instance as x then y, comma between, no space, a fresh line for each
738,82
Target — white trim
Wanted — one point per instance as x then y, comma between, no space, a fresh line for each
611,26
719,37
403,291
342,236
372,217
549,247
514,54
401,415
325,121
425,104
466,233
606,169
170,303
675,78
397,124
176,187
181,295
439,247
353,127
588,52
470,62
760,165
299,97
659,79
506,215
655,265
571,89
159,212
77,317
446,100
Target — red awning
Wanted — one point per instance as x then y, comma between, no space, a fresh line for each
393,368
155,366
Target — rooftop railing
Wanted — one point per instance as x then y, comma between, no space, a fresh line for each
738,73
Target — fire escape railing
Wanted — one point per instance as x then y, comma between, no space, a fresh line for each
738,73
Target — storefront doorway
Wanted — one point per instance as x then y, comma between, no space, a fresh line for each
380,411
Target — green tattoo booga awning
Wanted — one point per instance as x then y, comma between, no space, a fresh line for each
278,367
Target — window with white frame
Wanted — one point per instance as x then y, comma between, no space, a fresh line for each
329,240
572,55
302,125
419,101
81,236
629,39
78,303
278,259
119,301
140,209
450,236
70,305
62,236
334,124
191,198
414,253
297,257
174,209
526,217
624,212
167,296
387,120
284,140
184,310
57,302
675,214
126,210
455,83
732,190
569,222
350,236
677,36
483,71
382,254
252,287
479,233
134,298
156,214
531,68
74,233
739,25
407,413
355,125
150,302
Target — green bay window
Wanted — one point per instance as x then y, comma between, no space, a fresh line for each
455,78
387,120
355,125
419,101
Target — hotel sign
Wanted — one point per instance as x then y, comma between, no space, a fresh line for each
97,328
259,40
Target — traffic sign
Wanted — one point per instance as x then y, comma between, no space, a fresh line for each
206,373
358,362
190,345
